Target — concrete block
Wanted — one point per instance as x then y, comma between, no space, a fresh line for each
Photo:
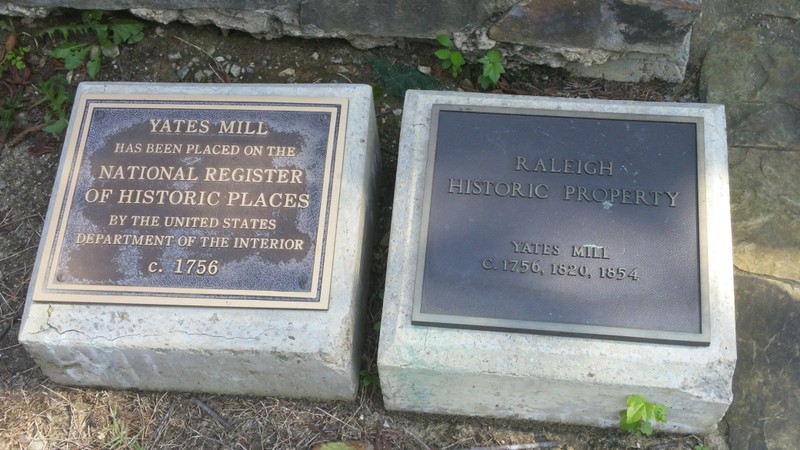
541,377
216,348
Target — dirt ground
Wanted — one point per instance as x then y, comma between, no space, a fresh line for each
38,414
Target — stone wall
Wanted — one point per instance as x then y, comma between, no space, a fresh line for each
627,40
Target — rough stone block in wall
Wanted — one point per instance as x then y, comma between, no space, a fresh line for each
627,40
657,26
618,39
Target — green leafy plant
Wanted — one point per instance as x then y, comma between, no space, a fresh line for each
492,68
108,34
9,109
452,59
16,58
53,93
701,447
368,377
636,419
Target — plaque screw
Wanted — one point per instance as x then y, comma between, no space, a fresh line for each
60,277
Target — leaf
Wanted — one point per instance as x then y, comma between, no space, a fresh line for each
443,54
646,428
484,81
624,424
457,58
101,31
65,30
444,40
71,54
398,78
93,65
56,127
494,56
634,398
92,16
127,31
635,413
660,413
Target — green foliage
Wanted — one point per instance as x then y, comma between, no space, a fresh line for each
107,34
452,59
701,447
368,377
16,57
397,78
636,419
7,25
54,94
118,436
492,68
8,111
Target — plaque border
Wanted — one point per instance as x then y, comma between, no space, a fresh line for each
560,329
57,292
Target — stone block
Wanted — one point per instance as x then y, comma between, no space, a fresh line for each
614,39
604,38
559,375
767,375
127,317
647,27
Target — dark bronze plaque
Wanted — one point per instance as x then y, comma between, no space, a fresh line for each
189,200
564,223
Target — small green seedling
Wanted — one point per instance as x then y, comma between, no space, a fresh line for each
492,68
452,59
108,34
636,419
16,58
368,377
701,447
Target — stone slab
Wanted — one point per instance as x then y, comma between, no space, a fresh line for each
652,27
766,206
106,335
767,375
543,377
614,39
755,72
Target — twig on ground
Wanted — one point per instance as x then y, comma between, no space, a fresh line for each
686,84
162,424
416,439
16,140
217,418
337,419
210,56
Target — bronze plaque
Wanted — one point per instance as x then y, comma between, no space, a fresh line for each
562,223
196,200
